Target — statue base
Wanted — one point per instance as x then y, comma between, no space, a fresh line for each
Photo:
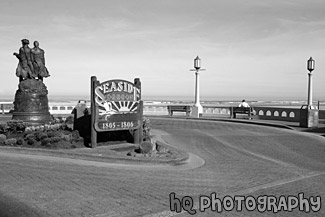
33,117
31,103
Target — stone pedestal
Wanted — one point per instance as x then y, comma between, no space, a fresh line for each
31,102
197,111
309,117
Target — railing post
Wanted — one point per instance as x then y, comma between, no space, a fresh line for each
231,111
250,113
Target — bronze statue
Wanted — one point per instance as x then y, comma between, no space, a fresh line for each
38,60
31,62
25,68
31,102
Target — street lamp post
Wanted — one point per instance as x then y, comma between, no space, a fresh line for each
197,107
309,115
310,67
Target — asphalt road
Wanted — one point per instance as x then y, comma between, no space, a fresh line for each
229,159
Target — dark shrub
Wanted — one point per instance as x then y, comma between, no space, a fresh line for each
40,135
48,145
4,127
69,120
20,141
16,125
60,119
67,138
45,141
75,135
51,134
29,135
55,139
63,126
3,137
11,141
12,125
21,126
30,139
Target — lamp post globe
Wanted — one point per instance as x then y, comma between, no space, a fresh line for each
310,64
197,63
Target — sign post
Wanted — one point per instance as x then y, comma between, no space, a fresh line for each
116,105
137,133
93,132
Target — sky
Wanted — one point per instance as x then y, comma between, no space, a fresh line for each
252,49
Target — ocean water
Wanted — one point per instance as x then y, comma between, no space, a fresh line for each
204,100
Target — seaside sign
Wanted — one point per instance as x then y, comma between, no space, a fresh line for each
116,105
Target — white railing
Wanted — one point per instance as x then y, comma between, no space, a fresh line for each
61,109
265,113
6,107
261,112
216,110
278,113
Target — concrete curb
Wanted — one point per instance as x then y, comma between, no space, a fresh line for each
242,121
254,122
181,156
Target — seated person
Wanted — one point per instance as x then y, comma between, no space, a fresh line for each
243,104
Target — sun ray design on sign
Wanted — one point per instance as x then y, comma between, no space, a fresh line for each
110,108
125,106
105,108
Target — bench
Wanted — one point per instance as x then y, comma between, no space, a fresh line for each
242,110
179,108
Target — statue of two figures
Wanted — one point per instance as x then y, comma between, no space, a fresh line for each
31,102
31,62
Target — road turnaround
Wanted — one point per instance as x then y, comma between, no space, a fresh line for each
239,159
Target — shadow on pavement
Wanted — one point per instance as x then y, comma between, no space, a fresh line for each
316,130
11,207
319,130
